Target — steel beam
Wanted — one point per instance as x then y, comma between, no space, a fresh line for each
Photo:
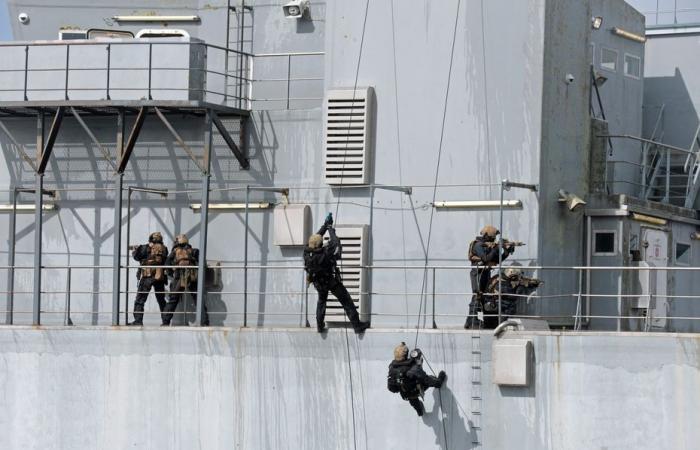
38,204
204,219
50,140
179,140
245,164
103,150
131,141
116,259
11,260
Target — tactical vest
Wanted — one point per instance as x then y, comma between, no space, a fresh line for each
315,270
397,381
184,257
156,257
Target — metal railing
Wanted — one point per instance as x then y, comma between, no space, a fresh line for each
581,297
204,76
651,178
130,70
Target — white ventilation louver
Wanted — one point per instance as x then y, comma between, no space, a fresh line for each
353,238
348,136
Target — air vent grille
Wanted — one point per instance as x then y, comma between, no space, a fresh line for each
354,241
348,136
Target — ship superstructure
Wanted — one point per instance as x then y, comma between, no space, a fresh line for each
564,123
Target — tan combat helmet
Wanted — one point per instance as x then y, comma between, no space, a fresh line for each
401,352
181,239
155,237
315,241
489,231
512,272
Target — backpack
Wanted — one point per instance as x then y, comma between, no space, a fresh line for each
396,381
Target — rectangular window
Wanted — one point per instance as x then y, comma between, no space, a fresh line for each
682,254
608,59
604,243
633,66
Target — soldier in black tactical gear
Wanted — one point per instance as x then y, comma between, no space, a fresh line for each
407,377
320,262
514,287
148,255
183,280
483,255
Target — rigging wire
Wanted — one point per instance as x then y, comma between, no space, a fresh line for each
437,168
337,207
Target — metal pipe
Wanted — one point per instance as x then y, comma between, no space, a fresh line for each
26,70
577,320
67,69
245,260
150,65
109,63
204,220
126,264
228,43
668,175
306,301
67,320
240,56
11,258
434,324
116,258
38,203
500,247
201,263
289,75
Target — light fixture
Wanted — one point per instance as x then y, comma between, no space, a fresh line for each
478,204
572,201
28,207
649,219
156,18
695,236
629,35
596,22
599,79
296,9
226,206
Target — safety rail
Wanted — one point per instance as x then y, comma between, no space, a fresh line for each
652,178
140,73
582,294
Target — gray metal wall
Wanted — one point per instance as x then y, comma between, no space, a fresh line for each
287,389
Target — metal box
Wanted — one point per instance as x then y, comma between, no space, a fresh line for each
512,361
292,225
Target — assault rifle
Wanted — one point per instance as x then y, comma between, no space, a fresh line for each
506,244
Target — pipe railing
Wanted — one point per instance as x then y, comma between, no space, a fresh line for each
583,307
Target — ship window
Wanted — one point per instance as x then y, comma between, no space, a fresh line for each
682,253
633,66
604,242
608,59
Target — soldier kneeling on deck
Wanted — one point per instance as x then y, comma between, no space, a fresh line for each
320,263
185,279
407,377
151,254
514,287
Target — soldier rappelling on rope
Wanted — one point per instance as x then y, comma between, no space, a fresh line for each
483,255
320,262
407,377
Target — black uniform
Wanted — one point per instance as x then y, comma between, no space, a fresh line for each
183,280
410,380
150,278
512,289
320,265
483,255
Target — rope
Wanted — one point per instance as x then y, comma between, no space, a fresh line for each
444,428
337,207
437,168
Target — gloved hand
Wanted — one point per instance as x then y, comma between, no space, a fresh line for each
329,220
442,377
